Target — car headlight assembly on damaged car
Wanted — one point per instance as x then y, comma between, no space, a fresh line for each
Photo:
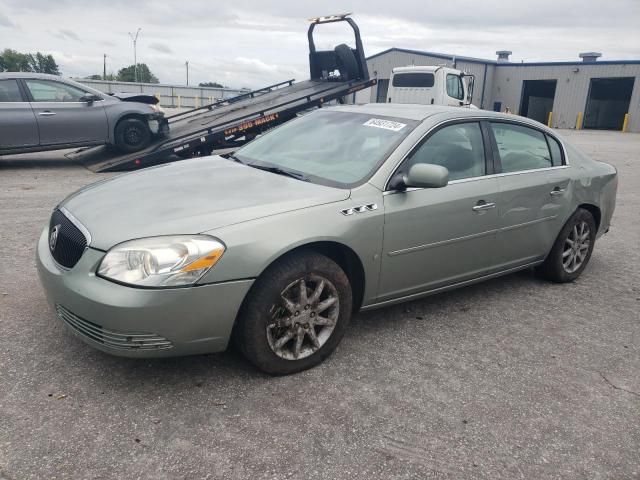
166,261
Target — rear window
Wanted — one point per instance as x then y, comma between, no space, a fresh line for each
415,80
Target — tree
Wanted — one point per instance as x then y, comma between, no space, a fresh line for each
13,61
211,84
127,74
41,63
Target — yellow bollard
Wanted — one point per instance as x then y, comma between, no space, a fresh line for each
549,119
579,121
196,101
157,95
625,122
179,101
210,100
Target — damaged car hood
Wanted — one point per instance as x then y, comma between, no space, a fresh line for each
188,197
136,97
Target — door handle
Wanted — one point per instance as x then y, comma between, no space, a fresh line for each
557,191
482,205
46,113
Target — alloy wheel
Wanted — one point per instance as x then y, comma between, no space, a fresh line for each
576,247
304,317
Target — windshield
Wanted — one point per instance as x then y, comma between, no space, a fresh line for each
329,147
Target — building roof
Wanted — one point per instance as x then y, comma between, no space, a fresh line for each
502,64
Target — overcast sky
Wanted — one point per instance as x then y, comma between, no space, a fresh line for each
250,43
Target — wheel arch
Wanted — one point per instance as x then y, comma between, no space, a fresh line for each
594,210
126,116
344,256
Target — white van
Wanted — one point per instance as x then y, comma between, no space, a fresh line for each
430,85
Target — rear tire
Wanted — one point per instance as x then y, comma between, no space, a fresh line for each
572,249
132,135
282,330
347,63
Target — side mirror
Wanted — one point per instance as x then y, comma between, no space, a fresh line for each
422,175
90,98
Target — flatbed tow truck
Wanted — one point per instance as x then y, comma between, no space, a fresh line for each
226,124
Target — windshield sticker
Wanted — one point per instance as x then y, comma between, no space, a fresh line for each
386,124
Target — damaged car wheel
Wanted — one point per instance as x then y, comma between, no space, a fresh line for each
295,315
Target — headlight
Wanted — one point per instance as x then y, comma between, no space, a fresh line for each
157,108
161,261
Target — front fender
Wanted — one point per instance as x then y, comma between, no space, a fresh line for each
116,111
254,245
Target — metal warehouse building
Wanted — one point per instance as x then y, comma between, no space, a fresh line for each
589,93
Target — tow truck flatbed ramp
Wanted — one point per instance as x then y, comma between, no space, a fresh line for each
231,122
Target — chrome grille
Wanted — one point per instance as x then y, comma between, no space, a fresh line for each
110,338
69,243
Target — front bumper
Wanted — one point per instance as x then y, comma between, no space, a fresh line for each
158,123
136,322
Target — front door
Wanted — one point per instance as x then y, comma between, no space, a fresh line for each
18,126
62,117
435,237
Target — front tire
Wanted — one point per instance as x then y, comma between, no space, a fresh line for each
132,135
295,314
572,249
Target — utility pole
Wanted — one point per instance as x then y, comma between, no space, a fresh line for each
134,38
104,67
187,65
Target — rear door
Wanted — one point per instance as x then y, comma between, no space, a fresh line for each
62,117
18,126
435,237
531,207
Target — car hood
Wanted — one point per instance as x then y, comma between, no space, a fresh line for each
188,197
136,97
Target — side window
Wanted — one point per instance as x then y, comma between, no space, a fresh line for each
48,91
521,148
556,151
454,86
9,91
457,147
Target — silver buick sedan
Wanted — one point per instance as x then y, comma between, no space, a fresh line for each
342,210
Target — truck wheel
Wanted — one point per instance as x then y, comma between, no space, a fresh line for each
295,314
347,63
132,134
572,249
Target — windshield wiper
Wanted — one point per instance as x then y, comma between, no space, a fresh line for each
281,171
234,158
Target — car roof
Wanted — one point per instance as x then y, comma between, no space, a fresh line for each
420,112
4,75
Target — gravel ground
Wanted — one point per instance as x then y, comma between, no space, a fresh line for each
513,378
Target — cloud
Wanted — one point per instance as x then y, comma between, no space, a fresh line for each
5,21
67,35
160,47
254,43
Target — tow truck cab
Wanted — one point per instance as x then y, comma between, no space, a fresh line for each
430,85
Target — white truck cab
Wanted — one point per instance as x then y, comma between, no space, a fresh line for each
430,85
